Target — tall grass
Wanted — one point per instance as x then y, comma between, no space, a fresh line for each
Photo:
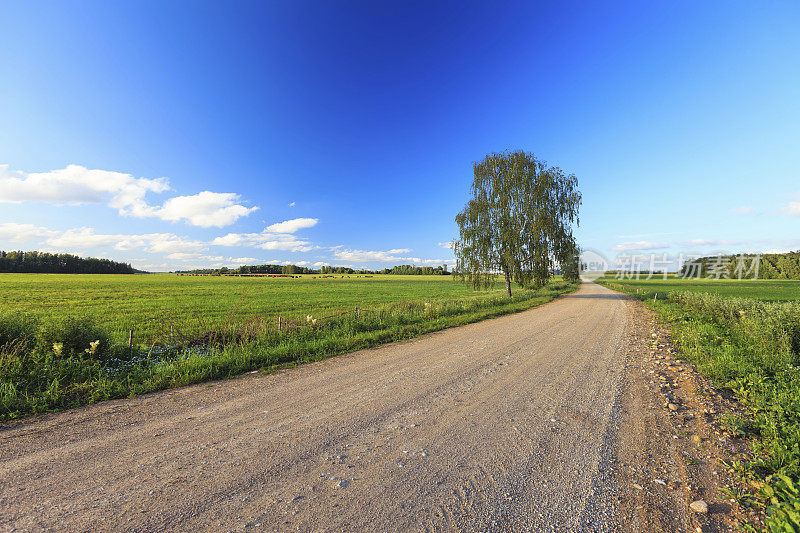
57,364
753,348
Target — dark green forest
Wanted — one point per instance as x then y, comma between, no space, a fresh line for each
770,266
47,263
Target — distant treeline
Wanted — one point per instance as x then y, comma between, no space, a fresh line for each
265,269
770,266
295,269
416,271
46,263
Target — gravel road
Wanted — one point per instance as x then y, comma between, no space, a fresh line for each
506,424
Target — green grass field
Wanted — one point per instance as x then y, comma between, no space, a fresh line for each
63,338
770,290
144,303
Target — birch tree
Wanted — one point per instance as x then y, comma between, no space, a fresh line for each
518,223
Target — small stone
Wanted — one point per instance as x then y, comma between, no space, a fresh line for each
699,506
672,407
637,486
660,482
697,438
342,484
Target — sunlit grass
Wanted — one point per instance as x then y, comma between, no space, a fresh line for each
143,302
54,360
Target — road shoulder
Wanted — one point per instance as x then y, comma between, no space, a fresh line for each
671,447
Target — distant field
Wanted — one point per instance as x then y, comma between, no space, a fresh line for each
766,290
144,302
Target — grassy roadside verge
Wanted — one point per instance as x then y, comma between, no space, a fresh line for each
751,347
47,366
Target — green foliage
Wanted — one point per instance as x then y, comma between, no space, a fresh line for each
783,497
770,266
42,262
18,327
518,222
411,270
71,336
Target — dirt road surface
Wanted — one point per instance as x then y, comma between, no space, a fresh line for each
507,424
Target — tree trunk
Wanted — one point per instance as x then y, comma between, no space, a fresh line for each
508,285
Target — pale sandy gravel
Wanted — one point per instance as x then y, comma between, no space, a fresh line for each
506,424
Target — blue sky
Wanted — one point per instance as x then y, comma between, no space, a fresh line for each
183,134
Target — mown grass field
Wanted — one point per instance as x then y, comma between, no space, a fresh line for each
745,335
145,303
63,338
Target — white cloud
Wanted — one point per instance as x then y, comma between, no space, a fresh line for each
320,264
274,237
82,238
77,185
190,256
793,209
743,210
285,242
151,266
710,242
13,232
389,256
367,255
449,245
265,241
291,226
167,242
638,245
292,204
204,209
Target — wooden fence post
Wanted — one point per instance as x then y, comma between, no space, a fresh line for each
130,339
